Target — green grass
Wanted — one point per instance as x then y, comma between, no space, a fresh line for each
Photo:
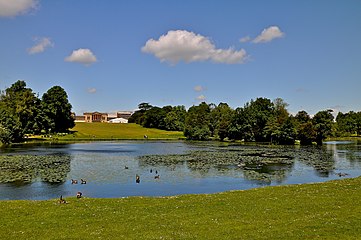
330,210
100,131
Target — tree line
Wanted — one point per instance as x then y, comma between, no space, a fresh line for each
260,120
22,112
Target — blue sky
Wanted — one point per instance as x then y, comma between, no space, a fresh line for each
112,55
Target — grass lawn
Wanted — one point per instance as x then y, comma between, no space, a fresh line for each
330,210
99,131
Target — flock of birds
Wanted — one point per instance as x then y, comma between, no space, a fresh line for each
83,181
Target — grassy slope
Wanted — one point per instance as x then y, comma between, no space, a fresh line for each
330,210
118,131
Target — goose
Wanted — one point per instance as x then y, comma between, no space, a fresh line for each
78,195
137,178
61,200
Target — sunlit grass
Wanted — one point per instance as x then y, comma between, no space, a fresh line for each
98,131
328,210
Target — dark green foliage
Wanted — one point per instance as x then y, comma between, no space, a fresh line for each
10,128
21,112
23,106
260,120
322,122
57,110
220,119
197,122
174,120
349,123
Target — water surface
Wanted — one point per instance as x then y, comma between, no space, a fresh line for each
183,168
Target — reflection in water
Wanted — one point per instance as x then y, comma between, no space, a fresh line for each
166,168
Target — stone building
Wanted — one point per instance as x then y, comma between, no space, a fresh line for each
96,117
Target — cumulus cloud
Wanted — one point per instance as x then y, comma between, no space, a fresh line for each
11,8
92,90
181,45
201,98
245,39
42,44
268,34
83,56
199,88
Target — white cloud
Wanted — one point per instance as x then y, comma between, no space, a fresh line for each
42,44
11,8
92,90
245,39
199,88
181,45
83,56
269,34
201,98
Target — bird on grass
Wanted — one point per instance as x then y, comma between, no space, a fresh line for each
61,199
79,195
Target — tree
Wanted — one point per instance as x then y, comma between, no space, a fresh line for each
10,128
57,110
21,104
323,121
197,122
306,132
220,118
174,120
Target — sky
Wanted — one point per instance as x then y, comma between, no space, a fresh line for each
112,55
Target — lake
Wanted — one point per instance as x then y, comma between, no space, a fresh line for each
45,171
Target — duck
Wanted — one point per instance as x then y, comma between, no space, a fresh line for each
74,181
79,194
126,167
83,181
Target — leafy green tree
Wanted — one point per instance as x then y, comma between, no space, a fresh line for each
138,116
347,123
197,122
22,105
154,118
241,125
174,120
220,118
322,121
306,132
10,128
57,110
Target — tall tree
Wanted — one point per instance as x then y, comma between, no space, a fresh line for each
323,121
57,110
22,105
306,132
197,122
174,120
220,118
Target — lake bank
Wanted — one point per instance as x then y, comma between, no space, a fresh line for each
323,210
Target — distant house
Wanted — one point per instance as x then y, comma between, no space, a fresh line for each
96,117
79,118
124,114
